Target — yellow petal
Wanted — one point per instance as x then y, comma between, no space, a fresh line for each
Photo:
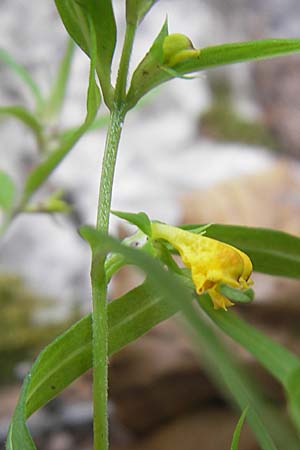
219,300
211,262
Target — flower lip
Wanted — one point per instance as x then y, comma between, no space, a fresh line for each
211,262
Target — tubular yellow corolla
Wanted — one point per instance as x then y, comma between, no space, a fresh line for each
211,262
177,48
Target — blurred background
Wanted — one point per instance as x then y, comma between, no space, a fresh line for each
223,147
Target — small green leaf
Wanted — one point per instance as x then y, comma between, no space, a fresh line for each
26,117
7,191
140,220
76,16
23,74
53,204
148,73
137,9
46,167
238,429
236,295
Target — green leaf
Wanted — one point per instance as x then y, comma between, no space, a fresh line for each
76,16
205,58
271,251
237,431
140,220
276,359
223,369
26,117
70,355
7,191
269,427
23,74
236,295
137,9
293,393
54,104
46,167
148,73
279,361
18,436
231,53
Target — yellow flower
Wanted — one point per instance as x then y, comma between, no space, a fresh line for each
211,262
177,48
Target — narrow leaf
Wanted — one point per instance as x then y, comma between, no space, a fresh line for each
18,436
269,427
7,191
140,220
237,431
54,104
237,52
75,21
70,355
46,167
293,394
76,16
137,9
23,74
236,295
26,117
279,361
148,73
205,58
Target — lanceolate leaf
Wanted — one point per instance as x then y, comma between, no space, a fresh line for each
76,16
26,117
54,104
237,52
237,431
137,9
141,220
148,73
7,191
18,436
271,251
46,167
279,361
70,354
209,57
23,74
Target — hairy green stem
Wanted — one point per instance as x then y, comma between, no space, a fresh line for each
98,279
99,287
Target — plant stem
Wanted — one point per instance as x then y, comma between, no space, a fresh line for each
124,63
99,282
99,287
